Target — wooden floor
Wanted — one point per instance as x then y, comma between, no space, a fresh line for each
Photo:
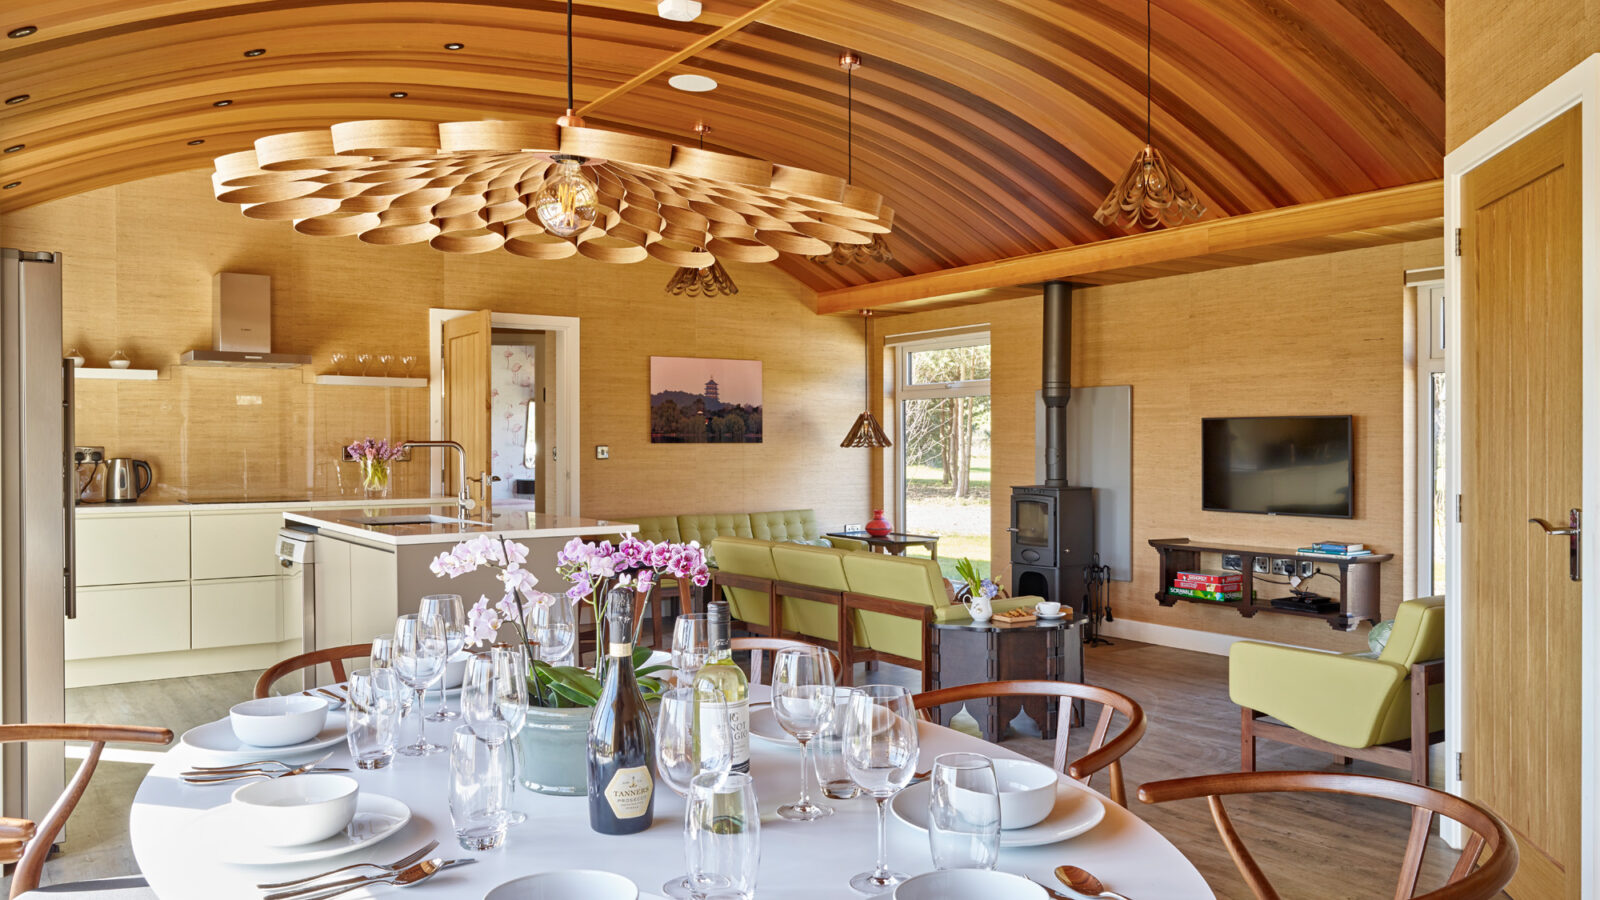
1315,847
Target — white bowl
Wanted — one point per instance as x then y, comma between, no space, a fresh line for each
1027,792
948,883
301,809
455,670
569,884
278,721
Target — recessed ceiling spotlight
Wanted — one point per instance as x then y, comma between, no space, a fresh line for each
259,51
679,10
22,32
693,83
399,95
12,101
197,142
15,147
454,46
11,185
223,103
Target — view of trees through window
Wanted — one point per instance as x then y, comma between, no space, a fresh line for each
946,452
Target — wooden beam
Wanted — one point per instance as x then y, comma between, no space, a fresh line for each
693,50
1408,213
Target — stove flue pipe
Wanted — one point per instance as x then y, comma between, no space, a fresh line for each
1057,378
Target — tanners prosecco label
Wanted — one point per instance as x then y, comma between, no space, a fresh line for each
629,792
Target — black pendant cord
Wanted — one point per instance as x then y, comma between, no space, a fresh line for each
850,126
1146,71
570,104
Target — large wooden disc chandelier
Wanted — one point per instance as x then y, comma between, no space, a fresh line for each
545,190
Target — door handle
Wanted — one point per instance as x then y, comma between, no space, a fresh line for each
1573,533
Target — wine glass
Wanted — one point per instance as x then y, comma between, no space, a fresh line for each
551,626
494,701
880,750
383,363
722,836
364,360
419,654
687,746
337,357
448,608
406,362
802,701
964,812
691,643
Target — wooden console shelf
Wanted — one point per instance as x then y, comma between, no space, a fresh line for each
1358,580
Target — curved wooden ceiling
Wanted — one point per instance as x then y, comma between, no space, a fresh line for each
993,127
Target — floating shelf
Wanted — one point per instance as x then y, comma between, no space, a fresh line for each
372,381
115,374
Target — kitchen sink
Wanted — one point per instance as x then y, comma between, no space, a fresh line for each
419,520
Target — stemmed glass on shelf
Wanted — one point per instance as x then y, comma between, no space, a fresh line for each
880,750
689,745
419,656
691,644
494,702
802,701
447,607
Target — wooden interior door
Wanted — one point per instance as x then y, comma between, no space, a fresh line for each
467,394
1521,431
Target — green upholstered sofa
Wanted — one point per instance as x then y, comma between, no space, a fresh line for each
866,606
778,525
1385,710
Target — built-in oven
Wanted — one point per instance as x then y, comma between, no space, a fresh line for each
298,588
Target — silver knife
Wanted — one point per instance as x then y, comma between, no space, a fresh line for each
324,891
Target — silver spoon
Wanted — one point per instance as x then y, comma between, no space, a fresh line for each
1085,883
397,865
406,877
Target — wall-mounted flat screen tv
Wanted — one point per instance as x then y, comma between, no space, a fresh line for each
1278,465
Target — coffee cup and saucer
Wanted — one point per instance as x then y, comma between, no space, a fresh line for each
1048,609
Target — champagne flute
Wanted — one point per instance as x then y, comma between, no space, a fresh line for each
494,702
964,812
551,626
688,746
802,700
691,643
880,750
419,653
448,608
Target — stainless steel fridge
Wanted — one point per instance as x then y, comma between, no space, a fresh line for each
37,492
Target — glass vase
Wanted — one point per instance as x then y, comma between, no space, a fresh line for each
375,478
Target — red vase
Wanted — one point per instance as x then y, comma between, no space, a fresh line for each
879,526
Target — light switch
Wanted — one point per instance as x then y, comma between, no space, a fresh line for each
602,451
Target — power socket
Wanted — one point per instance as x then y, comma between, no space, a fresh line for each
1258,565
1232,562
1307,568
1283,567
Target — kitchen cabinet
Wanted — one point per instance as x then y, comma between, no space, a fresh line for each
235,612
356,591
135,548
234,544
123,620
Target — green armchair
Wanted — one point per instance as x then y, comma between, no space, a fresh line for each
1386,710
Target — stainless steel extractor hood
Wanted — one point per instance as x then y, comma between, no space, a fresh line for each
241,326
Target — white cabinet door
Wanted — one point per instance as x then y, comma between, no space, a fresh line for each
235,612
234,544
132,549
373,600
127,620
291,605
332,574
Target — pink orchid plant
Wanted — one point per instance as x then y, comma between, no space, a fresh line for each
593,569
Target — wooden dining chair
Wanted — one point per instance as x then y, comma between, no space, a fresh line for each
334,656
1103,753
1467,881
28,844
759,645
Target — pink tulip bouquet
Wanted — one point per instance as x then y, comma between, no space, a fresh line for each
374,456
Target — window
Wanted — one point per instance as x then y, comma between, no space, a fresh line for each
1433,508
943,445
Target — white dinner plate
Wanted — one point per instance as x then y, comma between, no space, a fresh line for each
219,834
1075,812
764,725
217,740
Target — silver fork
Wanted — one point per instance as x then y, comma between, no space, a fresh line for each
397,865
406,877
218,776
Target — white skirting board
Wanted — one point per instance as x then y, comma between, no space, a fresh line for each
1181,638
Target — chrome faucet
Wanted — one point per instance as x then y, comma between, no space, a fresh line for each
463,499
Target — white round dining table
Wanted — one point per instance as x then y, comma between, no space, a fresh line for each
798,859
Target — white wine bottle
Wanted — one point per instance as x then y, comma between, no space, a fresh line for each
621,743
720,685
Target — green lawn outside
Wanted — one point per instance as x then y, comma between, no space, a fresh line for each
962,525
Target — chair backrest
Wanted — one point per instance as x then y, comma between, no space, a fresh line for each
1467,881
707,527
1418,633
785,525
657,528
333,656
1103,754
745,556
908,579
757,645
28,844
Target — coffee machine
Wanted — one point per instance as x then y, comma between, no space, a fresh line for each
90,463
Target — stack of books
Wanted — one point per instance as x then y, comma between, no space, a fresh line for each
1340,549
1218,587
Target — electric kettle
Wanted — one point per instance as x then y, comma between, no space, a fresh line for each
124,483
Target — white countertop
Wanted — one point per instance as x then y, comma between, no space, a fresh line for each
168,503
508,523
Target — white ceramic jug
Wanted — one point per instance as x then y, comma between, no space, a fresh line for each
979,607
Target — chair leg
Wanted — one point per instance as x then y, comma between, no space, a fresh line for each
1247,739
1341,760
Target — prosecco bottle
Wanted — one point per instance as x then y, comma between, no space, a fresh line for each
720,684
621,744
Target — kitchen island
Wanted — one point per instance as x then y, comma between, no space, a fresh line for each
369,566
